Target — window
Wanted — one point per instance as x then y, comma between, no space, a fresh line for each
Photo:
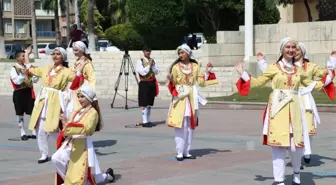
52,46
8,48
8,27
7,5
41,46
38,5
20,26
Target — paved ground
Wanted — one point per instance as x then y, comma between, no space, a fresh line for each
227,145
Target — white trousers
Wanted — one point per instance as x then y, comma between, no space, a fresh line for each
42,137
311,143
61,158
279,155
183,138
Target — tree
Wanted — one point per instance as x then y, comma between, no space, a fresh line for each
2,36
92,40
327,10
68,20
33,28
118,9
97,18
52,6
306,3
161,23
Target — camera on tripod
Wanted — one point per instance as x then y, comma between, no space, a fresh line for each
126,63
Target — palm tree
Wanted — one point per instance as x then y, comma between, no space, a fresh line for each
33,27
52,6
92,40
327,10
2,36
118,9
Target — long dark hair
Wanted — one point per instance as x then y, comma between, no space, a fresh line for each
177,61
88,56
65,64
95,105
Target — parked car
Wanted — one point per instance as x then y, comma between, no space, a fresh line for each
101,45
45,48
11,49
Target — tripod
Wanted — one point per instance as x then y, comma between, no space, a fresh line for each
124,68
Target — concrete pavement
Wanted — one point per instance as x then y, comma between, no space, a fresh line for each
227,144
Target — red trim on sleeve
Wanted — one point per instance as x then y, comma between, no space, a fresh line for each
13,84
243,87
72,124
212,76
172,89
77,82
330,88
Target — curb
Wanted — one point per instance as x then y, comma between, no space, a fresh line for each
258,106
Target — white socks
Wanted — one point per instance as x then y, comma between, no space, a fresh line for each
149,109
296,178
146,111
144,115
21,124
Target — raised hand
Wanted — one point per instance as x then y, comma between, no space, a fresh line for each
239,67
170,76
260,56
28,50
209,67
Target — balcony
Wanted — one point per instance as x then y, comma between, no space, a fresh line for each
46,34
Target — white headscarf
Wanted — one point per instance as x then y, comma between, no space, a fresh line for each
81,46
303,49
186,49
64,54
284,41
87,91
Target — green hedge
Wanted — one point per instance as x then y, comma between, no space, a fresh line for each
124,37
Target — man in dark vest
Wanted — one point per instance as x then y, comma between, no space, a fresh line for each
23,95
148,86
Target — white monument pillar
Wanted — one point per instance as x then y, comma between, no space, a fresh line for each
248,29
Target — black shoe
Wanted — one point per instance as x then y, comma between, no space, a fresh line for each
301,168
179,158
40,161
280,182
294,183
24,138
32,137
189,157
147,125
109,172
306,160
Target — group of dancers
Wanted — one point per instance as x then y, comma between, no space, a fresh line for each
290,118
66,106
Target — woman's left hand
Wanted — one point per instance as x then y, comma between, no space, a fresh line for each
209,67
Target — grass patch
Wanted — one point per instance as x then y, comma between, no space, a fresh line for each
262,95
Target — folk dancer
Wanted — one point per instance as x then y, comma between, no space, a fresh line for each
312,70
147,68
50,101
184,110
83,61
285,126
23,94
75,159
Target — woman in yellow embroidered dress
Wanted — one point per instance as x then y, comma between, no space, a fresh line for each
75,157
50,101
84,62
312,70
183,112
286,126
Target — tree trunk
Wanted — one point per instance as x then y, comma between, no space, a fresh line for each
77,19
33,28
310,19
68,20
92,40
2,37
57,25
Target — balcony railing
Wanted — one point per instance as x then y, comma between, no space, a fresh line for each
46,34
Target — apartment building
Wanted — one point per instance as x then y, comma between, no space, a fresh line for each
17,22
